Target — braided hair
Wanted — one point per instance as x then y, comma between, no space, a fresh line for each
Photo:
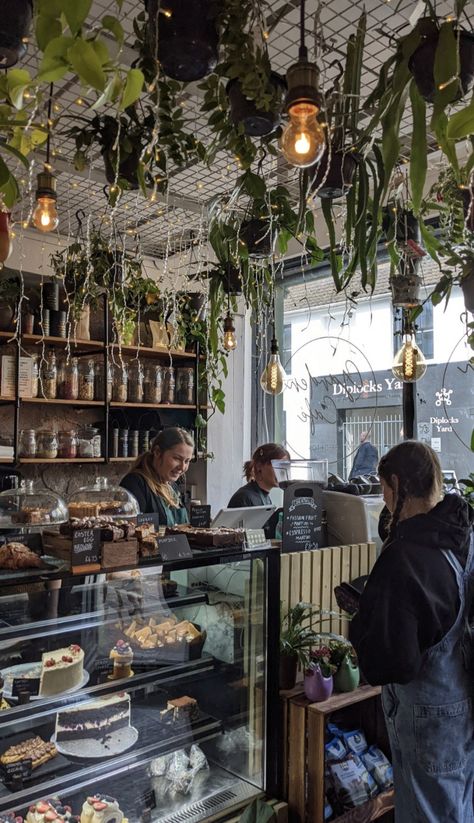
417,469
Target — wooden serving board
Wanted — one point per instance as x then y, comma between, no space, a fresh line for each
118,553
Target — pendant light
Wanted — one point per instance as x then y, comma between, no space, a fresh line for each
229,340
409,364
272,379
45,217
303,141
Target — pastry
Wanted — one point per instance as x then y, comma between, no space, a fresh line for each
10,817
167,633
34,748
83,509
202,538
101,808
122,655
61,670
18,556
181,708
46,811
95,719
35,515
168,587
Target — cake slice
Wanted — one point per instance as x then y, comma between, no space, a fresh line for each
94,719
50,811
61,670
101,808
181,708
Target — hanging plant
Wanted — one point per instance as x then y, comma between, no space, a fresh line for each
183,36
15,25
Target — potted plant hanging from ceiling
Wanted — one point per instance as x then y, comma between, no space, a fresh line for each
183,36
403,242
15,24
439,35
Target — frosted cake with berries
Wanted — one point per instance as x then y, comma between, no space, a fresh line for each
61,670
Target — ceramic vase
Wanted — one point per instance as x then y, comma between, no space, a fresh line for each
316,686
347,676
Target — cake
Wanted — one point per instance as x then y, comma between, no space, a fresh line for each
18,556
181,708
83,509
61,670
122,655
95,719
101,808
34,749
168,586
46,811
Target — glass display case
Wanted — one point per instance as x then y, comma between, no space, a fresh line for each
102,498
26,507
146,694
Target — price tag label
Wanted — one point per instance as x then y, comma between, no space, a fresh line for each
103,664
174,547
14,774
200,516
85,547
151,517
25,684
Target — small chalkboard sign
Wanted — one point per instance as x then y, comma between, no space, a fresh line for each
174,547
85,547
149,517
14,774
200,515
25,684
303,507
103,664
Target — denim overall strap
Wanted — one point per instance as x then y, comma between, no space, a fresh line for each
431,726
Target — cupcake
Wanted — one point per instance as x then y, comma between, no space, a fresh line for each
122,655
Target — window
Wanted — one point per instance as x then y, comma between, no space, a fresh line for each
424,330
286,349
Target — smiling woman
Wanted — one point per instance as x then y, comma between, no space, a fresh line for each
153,478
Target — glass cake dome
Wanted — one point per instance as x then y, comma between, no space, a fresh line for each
28,507
102,499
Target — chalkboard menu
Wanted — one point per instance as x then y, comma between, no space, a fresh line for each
85,547
31,685
200,516
174,547
302,515
149,517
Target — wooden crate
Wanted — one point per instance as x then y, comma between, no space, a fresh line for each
113,554
304,728
311,576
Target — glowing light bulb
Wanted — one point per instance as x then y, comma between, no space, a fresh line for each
273,376
229,340
303,140
409,363
45,216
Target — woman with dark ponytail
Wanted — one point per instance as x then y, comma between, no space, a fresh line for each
260,476
412,635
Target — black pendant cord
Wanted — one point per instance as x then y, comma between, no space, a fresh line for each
303,52
48,141
408,410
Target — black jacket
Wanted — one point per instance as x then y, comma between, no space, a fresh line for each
365,461
411,597
249,495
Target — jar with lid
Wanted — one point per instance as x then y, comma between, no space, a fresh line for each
185,385
120,384
49,377
168,387
89,442
46,444
100,383
86,380
135,383
34,376
153,384
67,444
27,443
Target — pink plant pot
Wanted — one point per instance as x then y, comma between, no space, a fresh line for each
317,687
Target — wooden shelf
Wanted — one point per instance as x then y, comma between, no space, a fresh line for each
62,460
115,405
341,700
30,339
369,811
149,352
58,402
7,335
121,459
5,460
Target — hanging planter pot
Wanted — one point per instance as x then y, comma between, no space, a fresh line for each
407,226
288,668
406,286
339,177
256,122
347,677
467,285
127,168
15,24
187,37
317,687
258,237
421,63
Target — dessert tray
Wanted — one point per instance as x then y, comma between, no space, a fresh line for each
52,765
34,670
113,744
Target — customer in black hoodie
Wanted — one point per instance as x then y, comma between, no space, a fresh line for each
410,635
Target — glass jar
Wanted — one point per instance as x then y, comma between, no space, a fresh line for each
120,384
123,443
135,383
168,388
100,383
153,384
68,380
89,443
133,443
185,385
27,443
67,444
49,377
34,376
86,380
46,444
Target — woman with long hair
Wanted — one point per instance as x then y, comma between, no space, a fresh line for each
260,476
412,635
152,479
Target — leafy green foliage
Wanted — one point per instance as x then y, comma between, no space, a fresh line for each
296,635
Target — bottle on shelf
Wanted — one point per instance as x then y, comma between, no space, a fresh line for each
135,382
49,377
153,384
27,443
86,380
120,384
47,444
279,527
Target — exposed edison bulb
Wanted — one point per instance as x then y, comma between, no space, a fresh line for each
303,140
229,340
409,363
273,377
45,215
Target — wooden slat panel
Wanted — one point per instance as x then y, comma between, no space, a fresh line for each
326,582
316,584
336,553
355,561
306,579
316,735
364,558
372,555
297,760
295,578
345,576
285,582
